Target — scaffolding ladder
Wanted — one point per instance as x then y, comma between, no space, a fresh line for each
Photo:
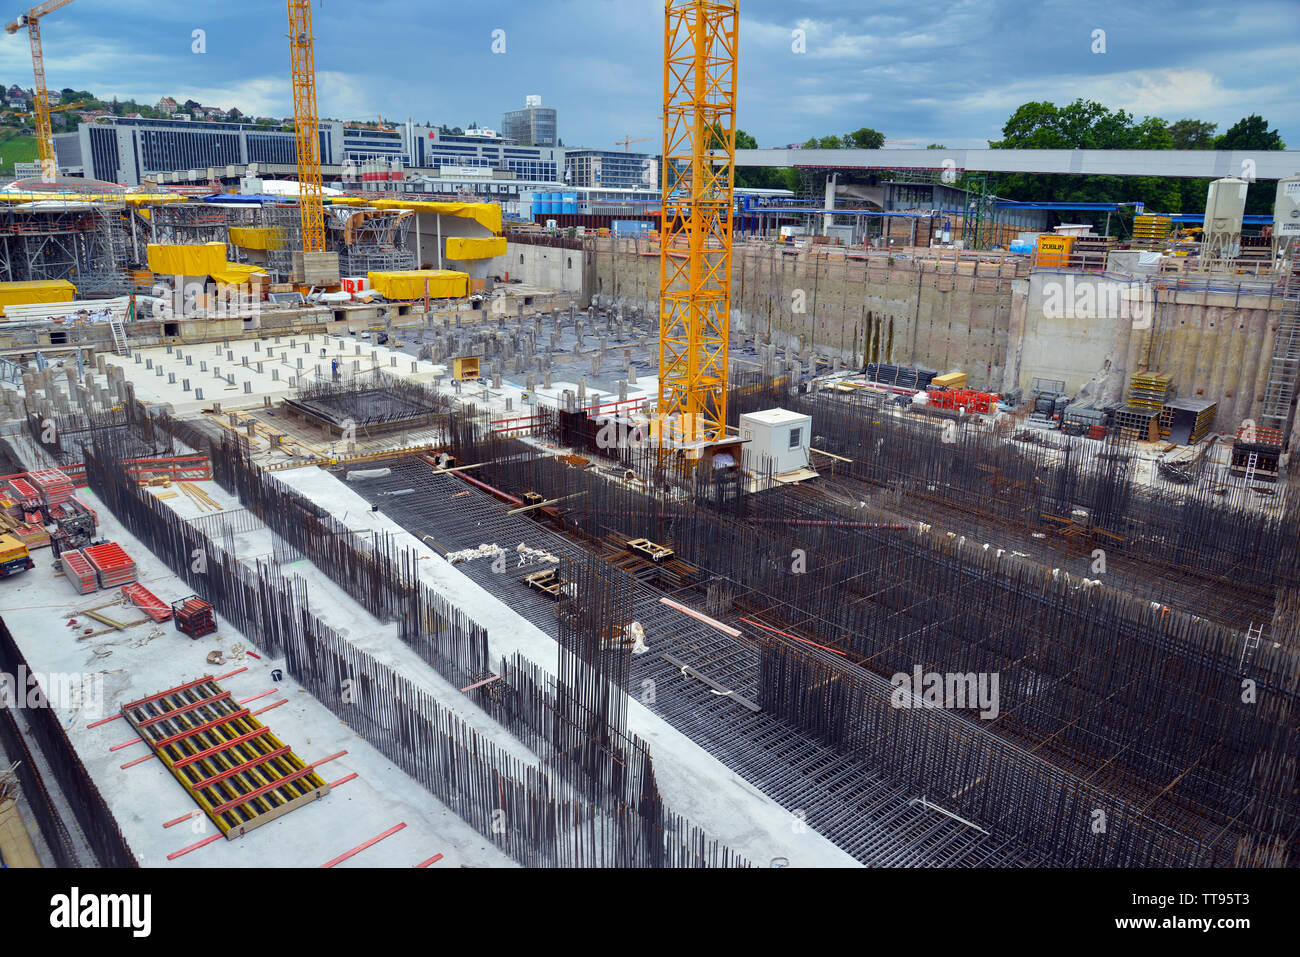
1280,389
119,338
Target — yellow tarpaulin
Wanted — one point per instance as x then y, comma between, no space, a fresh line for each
487,215
251,237
35,290
235,274
130,199
409,284
201,260
469,247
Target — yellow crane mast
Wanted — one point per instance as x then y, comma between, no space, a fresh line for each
699,147
31,20
306,126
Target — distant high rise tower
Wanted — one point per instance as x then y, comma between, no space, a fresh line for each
534,125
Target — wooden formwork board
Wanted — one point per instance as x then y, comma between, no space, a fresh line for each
238,773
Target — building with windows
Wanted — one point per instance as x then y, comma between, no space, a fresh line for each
610,169
534,125
127,151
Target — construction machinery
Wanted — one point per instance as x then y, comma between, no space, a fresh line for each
306,126
31,20
699,152
628,141
14,556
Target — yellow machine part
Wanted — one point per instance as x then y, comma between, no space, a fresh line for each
35,290
467,247
12,548
410,284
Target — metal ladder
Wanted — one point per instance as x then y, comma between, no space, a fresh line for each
1253,635
119,338
1250,468
1284,368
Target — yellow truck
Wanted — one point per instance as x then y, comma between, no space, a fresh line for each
14,556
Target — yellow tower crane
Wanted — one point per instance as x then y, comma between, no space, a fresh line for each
699,153
306,126
31,20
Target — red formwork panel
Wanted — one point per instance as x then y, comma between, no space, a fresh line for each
79,571
113,565
55,487
24,491
147,601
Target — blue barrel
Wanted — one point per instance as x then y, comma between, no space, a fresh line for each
570,201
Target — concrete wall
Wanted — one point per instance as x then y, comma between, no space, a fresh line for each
1000,322
1216,344
944,314
551,267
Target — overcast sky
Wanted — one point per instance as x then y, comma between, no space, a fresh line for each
916,70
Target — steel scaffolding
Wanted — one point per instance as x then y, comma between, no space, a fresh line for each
82,242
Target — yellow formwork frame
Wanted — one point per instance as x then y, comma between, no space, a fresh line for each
306,126
699,153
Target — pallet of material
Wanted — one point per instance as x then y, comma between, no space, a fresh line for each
23,491
32,534
79,571
54,486
1150,390
914,378
111,563
1138,423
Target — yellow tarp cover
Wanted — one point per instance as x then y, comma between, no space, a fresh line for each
236,274
251,237
35,290
131,199
409,284
195,260
468,247
487,215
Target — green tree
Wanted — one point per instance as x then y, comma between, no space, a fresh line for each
1085,124
865,139
936,146
831,142
1250,133
1192,134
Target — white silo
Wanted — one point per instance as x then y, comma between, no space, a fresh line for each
1286,216
1225,205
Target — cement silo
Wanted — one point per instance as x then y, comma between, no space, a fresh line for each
1286,216
1225,205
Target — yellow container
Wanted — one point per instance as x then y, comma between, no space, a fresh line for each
1053,251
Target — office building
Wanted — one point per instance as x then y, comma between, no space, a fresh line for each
534,125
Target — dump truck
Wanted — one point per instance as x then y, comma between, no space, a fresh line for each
14,556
